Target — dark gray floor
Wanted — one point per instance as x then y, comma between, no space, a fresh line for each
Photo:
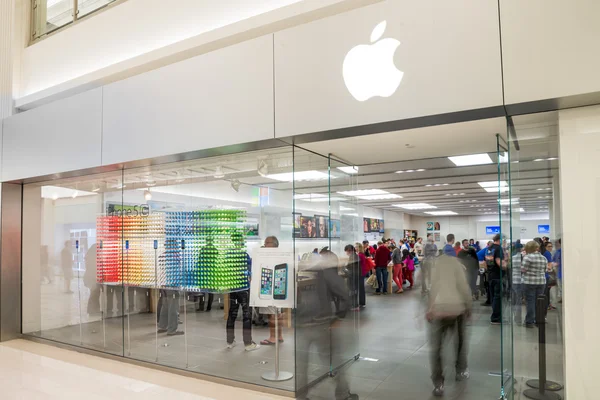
391,330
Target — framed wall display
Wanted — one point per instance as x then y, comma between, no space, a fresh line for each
366,225
437,237
436,226
308,227
492,230
273,277
544,229
297,224
430,226
374,225
335,227
322,226
381,226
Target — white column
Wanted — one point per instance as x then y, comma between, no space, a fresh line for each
580,195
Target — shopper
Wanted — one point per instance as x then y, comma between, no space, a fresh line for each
169,313
398,276
66,260
533,268
419,247
557,260
382,259
457,248
494,261
365,269
465,244
517,284
273,312
320,324
550,280
484,284
409,267
430,252
89,280
449,247
449,308
353,275
468,257
240,299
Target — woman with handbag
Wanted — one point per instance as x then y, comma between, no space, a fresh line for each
364,271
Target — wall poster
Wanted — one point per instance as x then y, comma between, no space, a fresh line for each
273,277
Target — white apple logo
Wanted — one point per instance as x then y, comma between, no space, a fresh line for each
369,70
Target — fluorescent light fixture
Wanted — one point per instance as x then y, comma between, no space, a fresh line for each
309,196
521,209
492,184
552,158
380,197
300,176
421,170
438,213
342,208
445,184
505,202
349,170
58,192
352,215
75,193
410,170
415,206
472,159
147,195
363,192
544,188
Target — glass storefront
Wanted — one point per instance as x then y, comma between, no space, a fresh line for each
148,263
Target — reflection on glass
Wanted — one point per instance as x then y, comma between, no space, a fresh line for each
86,7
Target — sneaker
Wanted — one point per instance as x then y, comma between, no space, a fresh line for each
530,326
231,345
438,391
496,323
176,333
252,346
463,376
385,293
161,331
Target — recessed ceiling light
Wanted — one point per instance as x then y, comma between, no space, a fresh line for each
492,184
445,184
544,188
363,192
552,158
448,194
305,196
508,201
543,197
410,170
352,215
415,206
380,197
300,176
349,170
472,159
342,208
521,209
428,185
399,172
421,170
441,213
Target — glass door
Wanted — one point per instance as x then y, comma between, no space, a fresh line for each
506,203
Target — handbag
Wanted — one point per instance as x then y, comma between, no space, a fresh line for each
372,281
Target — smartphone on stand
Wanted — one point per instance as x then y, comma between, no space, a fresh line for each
280,282
266,284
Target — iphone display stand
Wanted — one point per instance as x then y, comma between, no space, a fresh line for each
277,375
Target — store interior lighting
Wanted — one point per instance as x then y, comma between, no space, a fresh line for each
471,159
300,176
415,206
235,185
388,196
441,213
506,202
147,195
349,170
363,192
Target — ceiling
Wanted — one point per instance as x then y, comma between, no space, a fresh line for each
435,180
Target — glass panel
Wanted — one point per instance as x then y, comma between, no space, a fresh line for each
89,6
506,203
64,289
535,181
318,267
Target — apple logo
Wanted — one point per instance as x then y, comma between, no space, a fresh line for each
369,70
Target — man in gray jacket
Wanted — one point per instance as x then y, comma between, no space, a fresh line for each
449,307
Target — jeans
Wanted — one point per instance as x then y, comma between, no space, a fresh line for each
168,312
517,297
495,289
439,328
531,294
426,275
237,299
398,275
362,297
472,274
382,279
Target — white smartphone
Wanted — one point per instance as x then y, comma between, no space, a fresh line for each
266,284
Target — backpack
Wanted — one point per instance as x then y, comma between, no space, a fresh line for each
489,257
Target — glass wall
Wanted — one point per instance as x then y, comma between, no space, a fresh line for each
158,263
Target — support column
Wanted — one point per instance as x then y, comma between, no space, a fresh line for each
7,13
580,195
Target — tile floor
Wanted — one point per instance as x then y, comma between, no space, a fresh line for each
391,329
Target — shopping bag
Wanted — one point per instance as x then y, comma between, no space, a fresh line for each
372,281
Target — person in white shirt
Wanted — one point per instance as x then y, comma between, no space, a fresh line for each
419,247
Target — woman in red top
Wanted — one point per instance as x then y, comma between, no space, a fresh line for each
409,267
365,267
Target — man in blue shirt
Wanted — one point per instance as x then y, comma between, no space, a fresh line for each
483,281
557,260
449,247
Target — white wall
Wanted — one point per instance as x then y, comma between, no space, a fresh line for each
549,48
579,150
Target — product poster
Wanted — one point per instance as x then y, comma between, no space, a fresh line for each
436,226
297,224
273,279
430,226
381,226
366,225
322,226
308,228
437,237
335,228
